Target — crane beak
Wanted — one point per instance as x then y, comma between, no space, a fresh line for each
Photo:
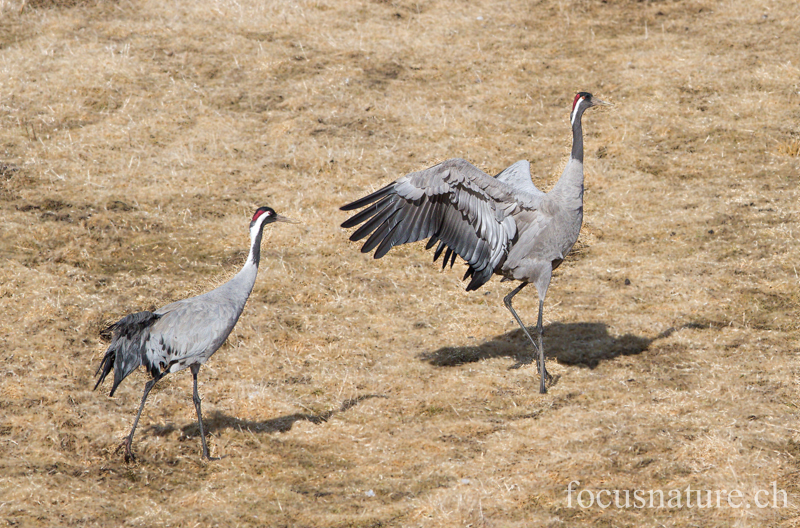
598,102
279,218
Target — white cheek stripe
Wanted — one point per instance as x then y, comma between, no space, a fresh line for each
575,110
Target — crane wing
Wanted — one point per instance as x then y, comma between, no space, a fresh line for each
454,203
186,330
518,176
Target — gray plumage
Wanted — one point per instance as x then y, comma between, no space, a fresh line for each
184,333
499,225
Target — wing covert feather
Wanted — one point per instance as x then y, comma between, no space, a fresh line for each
187,329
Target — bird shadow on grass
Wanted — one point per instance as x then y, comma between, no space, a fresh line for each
217,421
580,344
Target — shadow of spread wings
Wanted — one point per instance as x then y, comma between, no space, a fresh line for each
470,213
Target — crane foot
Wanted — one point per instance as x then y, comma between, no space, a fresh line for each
126,445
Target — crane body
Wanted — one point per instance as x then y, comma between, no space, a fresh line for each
184,333
499,225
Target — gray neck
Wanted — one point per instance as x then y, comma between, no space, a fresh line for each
570,185
577,138
250,268
238,289
255,249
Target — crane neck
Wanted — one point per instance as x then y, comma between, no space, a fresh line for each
240,286
254,257
577,137
237,290
570,185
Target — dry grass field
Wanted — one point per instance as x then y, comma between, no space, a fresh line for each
137,138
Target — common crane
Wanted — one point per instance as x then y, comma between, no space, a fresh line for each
501,224
183,333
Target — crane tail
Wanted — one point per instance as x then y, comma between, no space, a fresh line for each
124,354
105,365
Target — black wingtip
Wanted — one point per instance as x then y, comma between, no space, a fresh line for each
472,286
470,272
441,247
364,215
446,257
478,279
114,387
352,206
361,202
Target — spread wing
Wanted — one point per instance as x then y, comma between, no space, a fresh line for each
469,213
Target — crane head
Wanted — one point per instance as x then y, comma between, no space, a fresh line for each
587,98
582,101
266,215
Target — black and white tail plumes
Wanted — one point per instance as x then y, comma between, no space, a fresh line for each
130,334
499,225
184,333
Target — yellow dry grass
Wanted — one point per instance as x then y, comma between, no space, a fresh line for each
136,138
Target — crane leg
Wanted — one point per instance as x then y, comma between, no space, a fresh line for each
128,441
543,375
542,370
196,399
